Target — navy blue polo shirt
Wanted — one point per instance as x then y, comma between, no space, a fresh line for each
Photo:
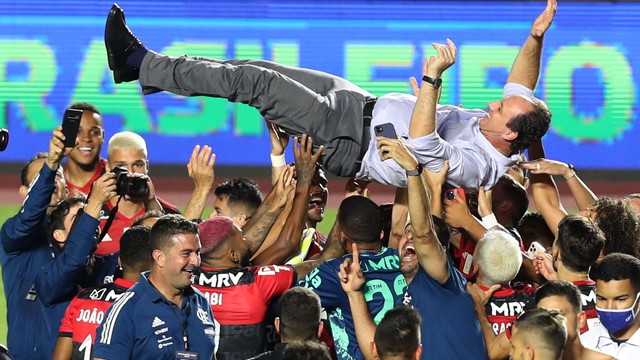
143,324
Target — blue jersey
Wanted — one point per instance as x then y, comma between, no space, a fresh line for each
384,287
450,327
23,254
143,324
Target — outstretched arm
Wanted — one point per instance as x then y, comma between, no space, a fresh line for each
279,141
262,221
200,168
288,241
423,118
498,346
429,251
583,196
545,192
22,232
526,67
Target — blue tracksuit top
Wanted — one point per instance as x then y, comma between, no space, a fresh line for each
23,254
57,283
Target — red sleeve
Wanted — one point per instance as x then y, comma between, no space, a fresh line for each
66,328
274,280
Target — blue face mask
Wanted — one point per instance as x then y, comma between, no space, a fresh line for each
617,320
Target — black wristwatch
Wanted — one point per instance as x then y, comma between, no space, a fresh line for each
436,82
415,172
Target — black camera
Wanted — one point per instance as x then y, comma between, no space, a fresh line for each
134,186
4,139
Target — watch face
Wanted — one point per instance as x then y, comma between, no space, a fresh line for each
437,83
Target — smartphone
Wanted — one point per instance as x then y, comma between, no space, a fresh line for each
449,194
533,248
387,130
70,126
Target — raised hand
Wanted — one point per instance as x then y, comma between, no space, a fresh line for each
481,297
284,186
356,187
279,139
305,159
56,149
544,20
435,66
456,212
350,275
546,166
543,265
398,151
485,206
102,190
200,166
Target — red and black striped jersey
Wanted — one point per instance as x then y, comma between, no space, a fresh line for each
506,305
239,298
588,294
86,312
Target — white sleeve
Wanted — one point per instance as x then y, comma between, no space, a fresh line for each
511,89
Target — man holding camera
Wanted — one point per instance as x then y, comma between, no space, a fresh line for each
127,151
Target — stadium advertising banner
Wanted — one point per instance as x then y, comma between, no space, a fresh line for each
52,54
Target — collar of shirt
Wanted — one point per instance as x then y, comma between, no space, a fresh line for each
604,341
155,295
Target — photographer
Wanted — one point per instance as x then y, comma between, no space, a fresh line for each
128,151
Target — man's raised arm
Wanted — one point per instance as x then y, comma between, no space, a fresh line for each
423,118
526,67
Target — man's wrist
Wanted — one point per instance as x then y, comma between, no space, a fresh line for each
278,160
571,172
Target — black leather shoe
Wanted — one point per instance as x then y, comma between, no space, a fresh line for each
120,43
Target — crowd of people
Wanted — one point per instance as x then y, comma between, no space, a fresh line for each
460,266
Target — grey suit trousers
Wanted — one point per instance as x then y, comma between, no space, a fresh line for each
300,101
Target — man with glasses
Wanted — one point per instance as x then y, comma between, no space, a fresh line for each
84,164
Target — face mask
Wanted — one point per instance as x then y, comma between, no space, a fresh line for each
617,320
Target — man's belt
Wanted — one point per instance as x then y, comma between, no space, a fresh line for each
367,114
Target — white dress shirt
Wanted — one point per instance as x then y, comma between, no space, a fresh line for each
599,339
473,161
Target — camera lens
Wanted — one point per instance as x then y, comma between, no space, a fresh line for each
4,139
138,187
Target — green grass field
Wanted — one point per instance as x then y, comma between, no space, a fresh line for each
6,211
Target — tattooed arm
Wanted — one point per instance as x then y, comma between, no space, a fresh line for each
256,230
288,242
332,250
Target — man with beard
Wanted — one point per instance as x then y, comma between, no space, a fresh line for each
239,293
84,164
162,316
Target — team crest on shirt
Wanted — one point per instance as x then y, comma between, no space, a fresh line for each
203,316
